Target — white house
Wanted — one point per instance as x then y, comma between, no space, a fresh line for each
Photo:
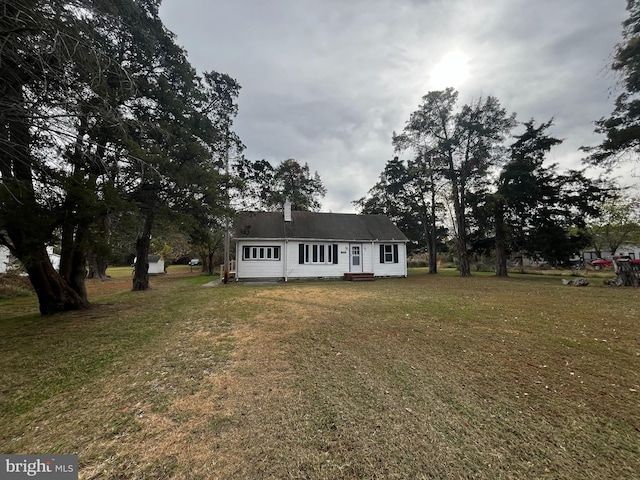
293,244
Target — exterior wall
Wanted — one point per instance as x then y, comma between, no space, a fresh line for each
330,270
156,267
369,258
390,269
259,268
289,267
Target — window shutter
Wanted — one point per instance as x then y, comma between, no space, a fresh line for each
395,253
301,254
381,253
335,253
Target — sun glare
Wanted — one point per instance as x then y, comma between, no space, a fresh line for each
451,71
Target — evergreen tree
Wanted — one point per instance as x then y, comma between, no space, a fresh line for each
53,71
266,187
101,115
536,210
622,128
408,193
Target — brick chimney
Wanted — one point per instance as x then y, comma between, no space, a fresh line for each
287,210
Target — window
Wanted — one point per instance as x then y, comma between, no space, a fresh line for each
318,253
389,253
261,253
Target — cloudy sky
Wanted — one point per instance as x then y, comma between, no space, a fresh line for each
327,81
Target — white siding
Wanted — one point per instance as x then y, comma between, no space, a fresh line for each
259,268
289,266
390,269
156,267
368,251
330,270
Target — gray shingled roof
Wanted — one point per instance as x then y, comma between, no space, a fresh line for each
317,226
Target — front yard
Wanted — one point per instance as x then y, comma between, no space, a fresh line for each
424,377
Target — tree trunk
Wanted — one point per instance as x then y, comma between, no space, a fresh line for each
627,274
143,244
78,275
433,253
461,224
428,224
26,226
209,263
463,256
501,260
433,232
501,249
97,267
72,258
54,294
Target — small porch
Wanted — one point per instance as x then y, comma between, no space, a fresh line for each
232,270
359,276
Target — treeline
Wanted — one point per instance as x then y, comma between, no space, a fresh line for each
467,175
470,177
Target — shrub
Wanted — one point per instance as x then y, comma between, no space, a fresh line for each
484,267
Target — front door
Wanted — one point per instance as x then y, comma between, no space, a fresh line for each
355,257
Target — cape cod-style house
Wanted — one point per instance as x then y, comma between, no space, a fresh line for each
296,244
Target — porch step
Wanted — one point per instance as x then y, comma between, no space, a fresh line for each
359,276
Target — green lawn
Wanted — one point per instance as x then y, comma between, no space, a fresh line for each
425,377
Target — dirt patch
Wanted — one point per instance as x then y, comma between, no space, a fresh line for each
108,286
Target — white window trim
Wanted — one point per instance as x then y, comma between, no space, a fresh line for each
388,253
318,251
261,253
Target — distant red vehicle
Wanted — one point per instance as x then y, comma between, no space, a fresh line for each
601,263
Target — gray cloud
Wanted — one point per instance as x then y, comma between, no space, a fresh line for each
327,82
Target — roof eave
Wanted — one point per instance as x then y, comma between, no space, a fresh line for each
316,239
